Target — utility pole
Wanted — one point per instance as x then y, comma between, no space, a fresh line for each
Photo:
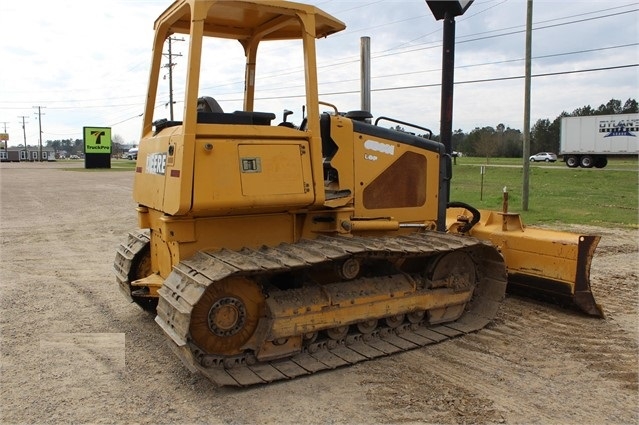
5,137
39,131
526,174
24,133
170,67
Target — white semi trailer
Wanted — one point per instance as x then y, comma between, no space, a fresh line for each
588,141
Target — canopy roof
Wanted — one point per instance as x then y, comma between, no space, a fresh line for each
243,19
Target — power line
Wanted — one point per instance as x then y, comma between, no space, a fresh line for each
407,73
385,53
502,35
381,54
547,26
508,60
485,80
551,74
374,77
466,66
439,27
125,120
346,61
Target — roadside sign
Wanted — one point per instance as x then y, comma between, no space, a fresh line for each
97,147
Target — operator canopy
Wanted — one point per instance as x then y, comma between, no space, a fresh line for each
246,19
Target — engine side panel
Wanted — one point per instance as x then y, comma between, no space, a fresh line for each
251,175
396,174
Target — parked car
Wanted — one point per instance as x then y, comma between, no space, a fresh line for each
543,156
74,157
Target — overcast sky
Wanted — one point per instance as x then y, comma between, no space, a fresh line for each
86,62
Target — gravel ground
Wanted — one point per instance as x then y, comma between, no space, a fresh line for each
74,351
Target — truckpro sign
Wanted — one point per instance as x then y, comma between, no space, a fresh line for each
97,147
97,140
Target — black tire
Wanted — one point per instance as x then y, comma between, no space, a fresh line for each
572,161
586,161
601,162
532,159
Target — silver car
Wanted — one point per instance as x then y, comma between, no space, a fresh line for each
543,156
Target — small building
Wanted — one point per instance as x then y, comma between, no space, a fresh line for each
28,154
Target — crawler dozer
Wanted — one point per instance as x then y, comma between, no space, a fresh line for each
272,250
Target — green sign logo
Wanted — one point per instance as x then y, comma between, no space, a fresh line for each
97,140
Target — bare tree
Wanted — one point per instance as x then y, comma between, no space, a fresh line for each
486,143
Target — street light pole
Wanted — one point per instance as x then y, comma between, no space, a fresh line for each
446,113
447,10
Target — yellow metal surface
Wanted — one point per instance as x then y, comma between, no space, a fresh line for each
541,263
274,170
256,175
233,232
406,178
152,282
290,321
177,229
231,310
533,251
250,22
238,19
370,225
266,241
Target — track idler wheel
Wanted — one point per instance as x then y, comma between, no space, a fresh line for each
226,316
455,270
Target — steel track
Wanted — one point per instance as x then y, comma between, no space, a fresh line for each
125,258
190,278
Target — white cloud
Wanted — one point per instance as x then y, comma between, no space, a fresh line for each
86,63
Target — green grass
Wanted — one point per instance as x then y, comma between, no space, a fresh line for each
122,164
557,194
116,165
625,163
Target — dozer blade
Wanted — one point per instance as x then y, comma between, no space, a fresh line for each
548,265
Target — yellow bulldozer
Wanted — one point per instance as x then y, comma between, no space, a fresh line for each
272,250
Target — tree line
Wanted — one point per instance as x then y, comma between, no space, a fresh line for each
498,141
76,146
502,141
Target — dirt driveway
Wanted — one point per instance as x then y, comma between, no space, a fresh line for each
74,351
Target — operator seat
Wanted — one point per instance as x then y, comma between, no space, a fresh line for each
208,104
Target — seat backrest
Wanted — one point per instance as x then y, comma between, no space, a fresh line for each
208,104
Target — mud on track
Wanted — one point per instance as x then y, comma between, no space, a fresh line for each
72,350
